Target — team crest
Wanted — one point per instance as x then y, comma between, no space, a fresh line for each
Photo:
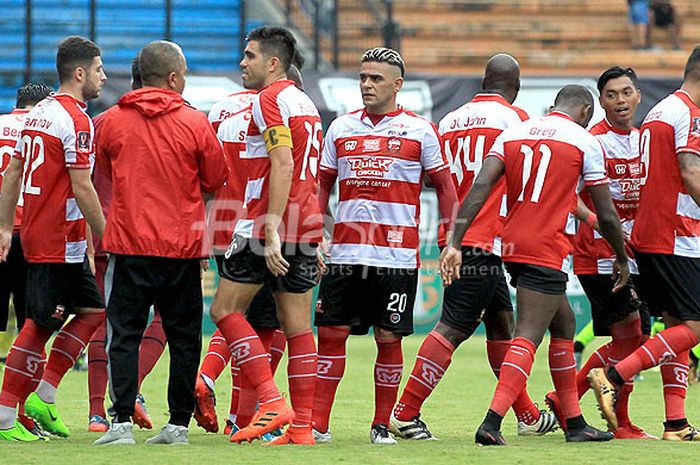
696,126
59,312
83,140
394,145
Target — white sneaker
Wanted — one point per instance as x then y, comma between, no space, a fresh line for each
322,438
379,434
170,434
118,433
546,423
414,429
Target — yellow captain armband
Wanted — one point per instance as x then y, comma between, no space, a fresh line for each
277,136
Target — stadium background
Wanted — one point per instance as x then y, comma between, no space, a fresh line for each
445,44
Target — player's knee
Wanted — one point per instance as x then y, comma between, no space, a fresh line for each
384,335
218,310
499,326
454,335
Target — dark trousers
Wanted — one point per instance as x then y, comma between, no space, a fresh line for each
132,285
13,281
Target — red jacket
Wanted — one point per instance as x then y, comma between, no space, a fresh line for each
161,155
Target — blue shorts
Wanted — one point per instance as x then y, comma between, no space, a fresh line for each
639,12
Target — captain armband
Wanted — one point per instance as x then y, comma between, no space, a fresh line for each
277,136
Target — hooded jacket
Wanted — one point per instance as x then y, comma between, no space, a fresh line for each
160,155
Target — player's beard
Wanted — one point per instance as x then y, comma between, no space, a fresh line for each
91,92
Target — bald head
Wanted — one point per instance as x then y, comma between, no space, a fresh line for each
502,76
577,102
158,61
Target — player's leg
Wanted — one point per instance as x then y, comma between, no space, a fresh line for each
97,362
582,339
179,304
336,311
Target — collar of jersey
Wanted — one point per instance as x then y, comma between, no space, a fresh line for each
391,114
561,114
20,111
58,96
687,95
616,130
489,97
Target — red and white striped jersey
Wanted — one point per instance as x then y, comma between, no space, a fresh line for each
668,220
11,126
380,172
229,106
58,136
593,254
228,206
281,104
468,133
545,160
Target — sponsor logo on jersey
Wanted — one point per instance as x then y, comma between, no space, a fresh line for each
388,375
374,167
395,237
696,126
394,145
371,145
620,169
350,145
83,140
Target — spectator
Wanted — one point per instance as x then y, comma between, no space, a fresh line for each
662,14
639,23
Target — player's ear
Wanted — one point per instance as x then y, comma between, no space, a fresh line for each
398,84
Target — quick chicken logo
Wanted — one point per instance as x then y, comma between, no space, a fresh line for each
370,167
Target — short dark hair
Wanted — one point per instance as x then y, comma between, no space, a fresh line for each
31,94
136,82
692,66
572,95
73,52
615,72
277,42
385,55
158,59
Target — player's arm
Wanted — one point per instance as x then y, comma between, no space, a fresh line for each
611,231
451,259
87,200
447,197
690,174
278,140
586,215
9,196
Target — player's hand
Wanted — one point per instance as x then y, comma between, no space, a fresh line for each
91,263
5,244
276,263
626,231
450,264
620,274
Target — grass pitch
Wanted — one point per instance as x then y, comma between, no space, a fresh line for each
453,412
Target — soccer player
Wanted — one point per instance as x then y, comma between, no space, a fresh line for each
543,161
56,150
161,156
153,342
227,207
614,314
277,241
13,272
667,249
379,154
468,134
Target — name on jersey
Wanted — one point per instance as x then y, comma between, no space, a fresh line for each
468,122
543,132
370,167
11,133
40,123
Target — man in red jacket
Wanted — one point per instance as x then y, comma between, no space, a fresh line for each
161,155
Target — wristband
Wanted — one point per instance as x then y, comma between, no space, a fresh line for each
591,219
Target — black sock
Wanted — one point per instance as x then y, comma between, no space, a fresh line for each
119,418
575,424
675,425
493,420
614,376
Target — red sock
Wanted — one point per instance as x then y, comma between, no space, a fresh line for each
515,370
622,404
97,371
432,361
674,375
69,343
265,335
31,387
235,389
22,363
247,403
626,337
249,354
152,347
598,359
301,370
217,357
663,347
562,367
387,378
329,372
279,342
525,409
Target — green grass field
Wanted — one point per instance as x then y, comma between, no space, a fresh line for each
453,413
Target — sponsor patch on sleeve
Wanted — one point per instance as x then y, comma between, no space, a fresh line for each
277,136
83,141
